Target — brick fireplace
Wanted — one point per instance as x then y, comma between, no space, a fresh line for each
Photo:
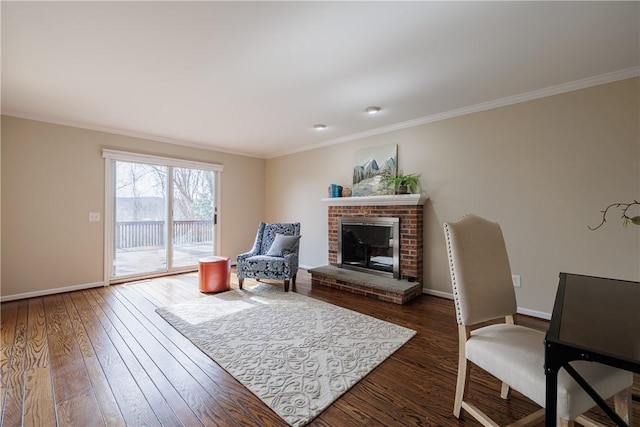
409,209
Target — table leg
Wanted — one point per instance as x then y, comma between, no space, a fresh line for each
551,391
551,399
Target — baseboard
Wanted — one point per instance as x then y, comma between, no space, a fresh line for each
534,313
440,294
46,292
525,311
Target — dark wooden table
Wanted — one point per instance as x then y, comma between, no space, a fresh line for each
594,319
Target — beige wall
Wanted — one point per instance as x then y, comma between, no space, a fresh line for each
543,169
53,176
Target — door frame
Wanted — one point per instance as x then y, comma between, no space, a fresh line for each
110,157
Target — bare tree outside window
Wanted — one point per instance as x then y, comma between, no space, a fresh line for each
194,188
141,191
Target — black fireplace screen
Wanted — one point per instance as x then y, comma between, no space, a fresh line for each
369,244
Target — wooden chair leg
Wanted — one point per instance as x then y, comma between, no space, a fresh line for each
565,423
530,420
583,421
240,280
461,385
286,285
504,391
462,382
623,405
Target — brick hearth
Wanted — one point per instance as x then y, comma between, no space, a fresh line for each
369,285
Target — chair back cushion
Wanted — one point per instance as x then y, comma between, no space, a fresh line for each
283,245
269,232
480,272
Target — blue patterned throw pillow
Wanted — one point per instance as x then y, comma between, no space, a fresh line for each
283,245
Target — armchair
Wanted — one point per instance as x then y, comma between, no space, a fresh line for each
274,254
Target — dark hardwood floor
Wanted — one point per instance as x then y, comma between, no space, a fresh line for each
104,357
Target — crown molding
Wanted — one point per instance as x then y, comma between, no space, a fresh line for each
127,133
614,76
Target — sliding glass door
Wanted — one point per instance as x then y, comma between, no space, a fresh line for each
162,216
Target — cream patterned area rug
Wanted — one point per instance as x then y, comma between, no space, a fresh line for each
295,353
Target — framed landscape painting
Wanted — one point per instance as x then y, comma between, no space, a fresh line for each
372,167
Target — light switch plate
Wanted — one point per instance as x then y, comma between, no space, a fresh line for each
94,216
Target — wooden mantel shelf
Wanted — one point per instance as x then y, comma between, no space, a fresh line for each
388,200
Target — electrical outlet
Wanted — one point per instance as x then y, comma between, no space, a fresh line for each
94,216
516,280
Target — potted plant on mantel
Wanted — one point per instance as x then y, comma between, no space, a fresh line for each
404,184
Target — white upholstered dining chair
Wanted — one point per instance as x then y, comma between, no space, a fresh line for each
483,291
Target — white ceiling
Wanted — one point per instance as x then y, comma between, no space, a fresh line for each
254,77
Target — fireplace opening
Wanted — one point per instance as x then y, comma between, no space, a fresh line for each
370,244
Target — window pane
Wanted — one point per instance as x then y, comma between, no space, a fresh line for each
193,215
140,212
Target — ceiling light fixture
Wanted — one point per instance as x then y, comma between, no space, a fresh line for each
319,127
372,110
